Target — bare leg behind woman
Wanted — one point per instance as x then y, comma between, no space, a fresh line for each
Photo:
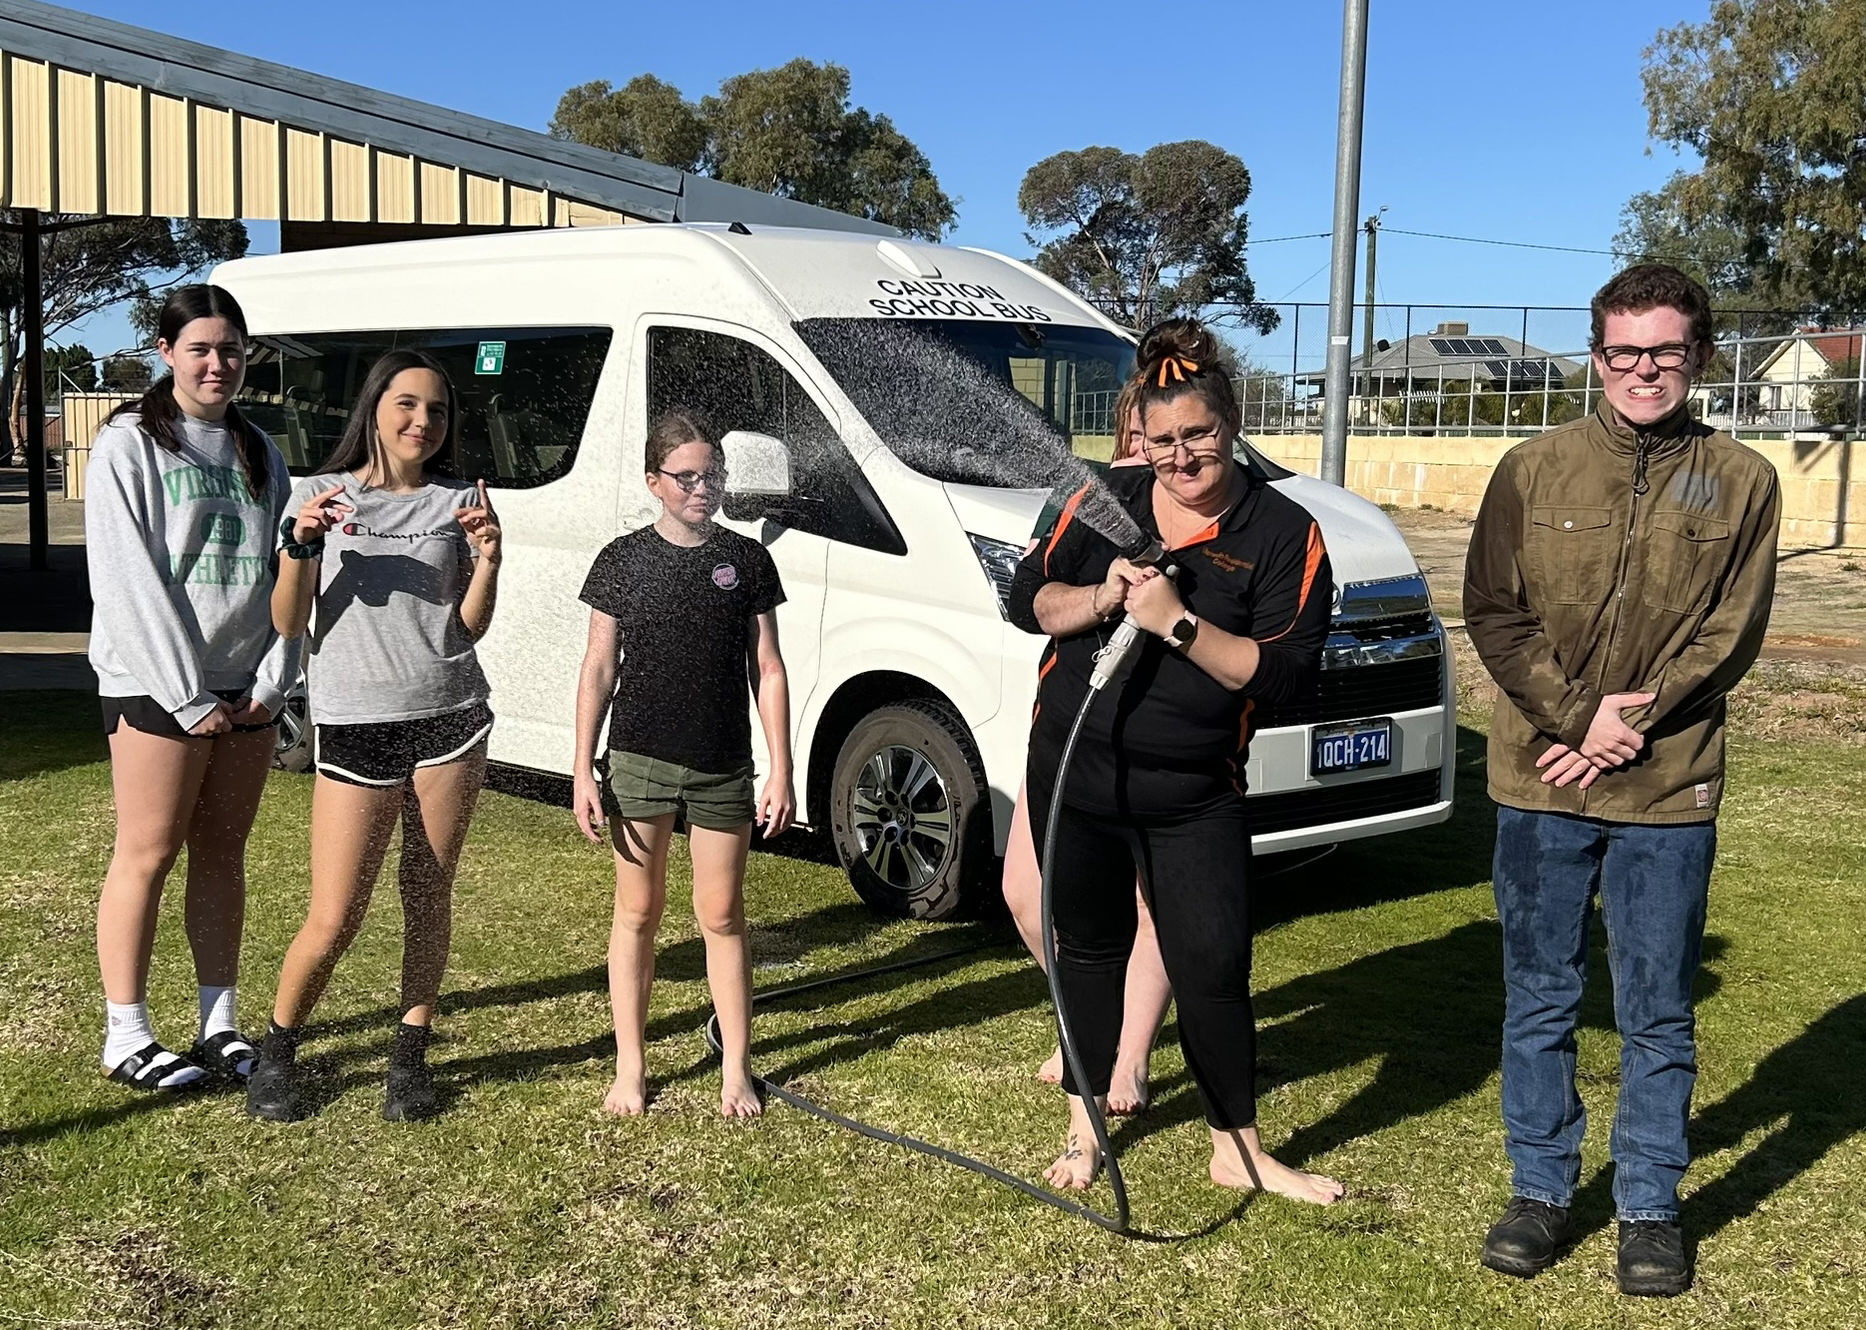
1146,997
641,895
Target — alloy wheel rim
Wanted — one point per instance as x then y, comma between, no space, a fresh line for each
902,817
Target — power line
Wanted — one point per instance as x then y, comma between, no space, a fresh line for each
1560,249
1308,235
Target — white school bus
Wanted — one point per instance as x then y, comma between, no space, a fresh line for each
918,403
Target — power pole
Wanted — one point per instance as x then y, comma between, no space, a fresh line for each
1341,275
1368,390
32,295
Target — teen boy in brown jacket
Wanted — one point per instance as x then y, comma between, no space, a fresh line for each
1618,585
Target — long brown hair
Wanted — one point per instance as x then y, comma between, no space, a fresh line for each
1179,356
1124,406
160,413
359,449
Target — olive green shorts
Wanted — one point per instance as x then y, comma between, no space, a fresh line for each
646,787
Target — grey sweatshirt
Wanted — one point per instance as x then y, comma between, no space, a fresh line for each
182,563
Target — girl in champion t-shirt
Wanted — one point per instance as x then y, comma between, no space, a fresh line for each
182,498
394,567
690,609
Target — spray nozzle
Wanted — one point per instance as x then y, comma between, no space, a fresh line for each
1148,553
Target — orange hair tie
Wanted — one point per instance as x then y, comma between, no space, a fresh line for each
1179,367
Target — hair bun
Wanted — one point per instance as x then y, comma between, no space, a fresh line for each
1181,339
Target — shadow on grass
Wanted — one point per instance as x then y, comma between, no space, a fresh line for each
1812,1088
49,730
1811,1091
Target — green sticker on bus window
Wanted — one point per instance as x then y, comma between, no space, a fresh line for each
491,358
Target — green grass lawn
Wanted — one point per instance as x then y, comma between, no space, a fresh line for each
1379,1001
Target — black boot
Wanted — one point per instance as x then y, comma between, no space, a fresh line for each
272,1087
1652,1259
411,1094
1527,1238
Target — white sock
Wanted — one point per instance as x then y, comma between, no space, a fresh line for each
128,1031
217,1009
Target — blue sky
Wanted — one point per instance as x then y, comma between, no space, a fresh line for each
1484,118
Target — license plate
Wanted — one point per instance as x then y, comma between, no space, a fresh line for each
1351,747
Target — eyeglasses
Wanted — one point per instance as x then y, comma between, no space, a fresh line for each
1201,444
1625,359
689,481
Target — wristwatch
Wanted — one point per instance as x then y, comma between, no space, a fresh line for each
1183,632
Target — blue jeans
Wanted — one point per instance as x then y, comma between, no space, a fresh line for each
1652,882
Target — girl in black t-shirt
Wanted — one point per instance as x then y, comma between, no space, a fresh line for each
689,608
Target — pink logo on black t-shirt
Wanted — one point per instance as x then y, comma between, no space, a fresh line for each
725,576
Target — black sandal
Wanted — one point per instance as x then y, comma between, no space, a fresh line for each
140,1071
225,1053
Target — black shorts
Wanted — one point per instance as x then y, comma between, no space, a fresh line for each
387,753
147,715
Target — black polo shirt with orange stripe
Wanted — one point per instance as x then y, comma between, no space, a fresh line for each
1259,571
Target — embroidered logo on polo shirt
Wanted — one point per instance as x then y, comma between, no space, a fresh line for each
725,576
1227,563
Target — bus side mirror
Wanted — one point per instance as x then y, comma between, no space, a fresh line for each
757,465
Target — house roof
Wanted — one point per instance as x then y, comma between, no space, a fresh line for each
1832,345
108,118
1436,354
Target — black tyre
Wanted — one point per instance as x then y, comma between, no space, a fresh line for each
294,734
911,814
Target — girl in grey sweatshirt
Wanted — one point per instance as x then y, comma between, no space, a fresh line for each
182,505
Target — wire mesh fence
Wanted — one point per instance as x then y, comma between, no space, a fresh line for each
1515,369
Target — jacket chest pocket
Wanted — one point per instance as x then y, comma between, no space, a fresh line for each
1570,554
1685,555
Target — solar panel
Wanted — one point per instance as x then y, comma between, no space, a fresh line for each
1492,347
1497,369
1440,346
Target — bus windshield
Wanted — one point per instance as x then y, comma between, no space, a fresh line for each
980,402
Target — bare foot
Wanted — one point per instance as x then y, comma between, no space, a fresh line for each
1127,1092
1077,1166
1051,1072
1241,1163
1080,1160
738,1097
628,1096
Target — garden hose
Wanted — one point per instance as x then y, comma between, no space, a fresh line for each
1108,662
1116,1222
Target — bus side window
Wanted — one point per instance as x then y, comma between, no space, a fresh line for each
735,385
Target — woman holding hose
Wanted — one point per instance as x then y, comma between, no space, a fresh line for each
1156,784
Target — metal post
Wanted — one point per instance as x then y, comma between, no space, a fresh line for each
32,296
1341,262
1736,382
1295,368
1406,376
1372,227
1510,378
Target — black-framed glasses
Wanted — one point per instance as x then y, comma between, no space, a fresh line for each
689,481
1624,359
1202,444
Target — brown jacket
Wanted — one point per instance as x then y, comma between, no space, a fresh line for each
1606,560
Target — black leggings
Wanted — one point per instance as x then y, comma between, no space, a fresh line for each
1195,871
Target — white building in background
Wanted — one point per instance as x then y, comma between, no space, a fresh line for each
1788,375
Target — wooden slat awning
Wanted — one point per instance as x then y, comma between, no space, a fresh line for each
103,118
